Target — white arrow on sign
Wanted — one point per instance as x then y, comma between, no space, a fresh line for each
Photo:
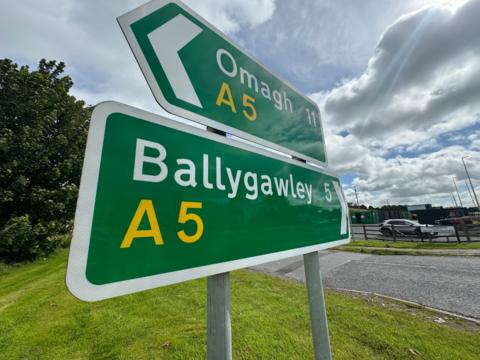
343,204
167,41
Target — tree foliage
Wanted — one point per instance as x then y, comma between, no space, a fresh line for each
43,132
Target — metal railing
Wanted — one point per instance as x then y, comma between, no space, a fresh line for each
439,234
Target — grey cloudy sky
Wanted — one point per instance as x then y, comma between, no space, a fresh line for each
398,81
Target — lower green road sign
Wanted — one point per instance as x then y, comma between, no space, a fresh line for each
162,203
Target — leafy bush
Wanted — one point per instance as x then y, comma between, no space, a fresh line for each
20,240
43,133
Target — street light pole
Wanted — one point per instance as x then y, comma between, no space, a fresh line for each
356,195
459,198
454,200
470,181
470,193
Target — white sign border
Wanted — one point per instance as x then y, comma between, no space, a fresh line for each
76,279
144,10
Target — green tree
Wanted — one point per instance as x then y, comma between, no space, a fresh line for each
43,133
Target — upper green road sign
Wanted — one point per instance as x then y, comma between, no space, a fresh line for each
194,71
161,202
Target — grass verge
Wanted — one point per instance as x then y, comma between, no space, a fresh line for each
377,247
39,319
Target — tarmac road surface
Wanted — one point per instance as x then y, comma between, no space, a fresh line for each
442,282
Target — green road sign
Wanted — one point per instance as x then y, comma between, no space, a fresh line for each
161,202
194,71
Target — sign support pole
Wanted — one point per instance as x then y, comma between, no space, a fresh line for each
316,301
219,330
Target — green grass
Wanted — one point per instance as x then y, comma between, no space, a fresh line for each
39,319
414,245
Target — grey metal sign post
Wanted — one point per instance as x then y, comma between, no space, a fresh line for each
316,301
219,331
219,328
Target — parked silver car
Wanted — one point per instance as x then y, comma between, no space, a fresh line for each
406,227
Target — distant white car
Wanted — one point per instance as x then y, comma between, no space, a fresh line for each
406,227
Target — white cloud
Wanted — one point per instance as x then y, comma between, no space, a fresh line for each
230,15
86,36
475,141
426,179
316,43
423,80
